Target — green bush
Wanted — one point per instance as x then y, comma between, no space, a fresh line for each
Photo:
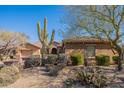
115,59
102,60
8,75
77,59
122,61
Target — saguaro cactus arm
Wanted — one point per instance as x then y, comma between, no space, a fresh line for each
45,30
39,32
52,37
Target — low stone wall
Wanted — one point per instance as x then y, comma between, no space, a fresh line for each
10,62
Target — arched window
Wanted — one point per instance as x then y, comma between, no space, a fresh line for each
54,50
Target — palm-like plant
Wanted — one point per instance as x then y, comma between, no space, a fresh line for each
43,37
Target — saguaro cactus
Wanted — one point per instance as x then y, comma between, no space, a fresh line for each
43,37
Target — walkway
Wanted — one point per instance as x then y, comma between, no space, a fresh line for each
35,78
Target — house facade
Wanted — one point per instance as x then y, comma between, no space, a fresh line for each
89,47
28,50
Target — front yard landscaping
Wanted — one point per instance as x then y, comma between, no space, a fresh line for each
38,77
55,73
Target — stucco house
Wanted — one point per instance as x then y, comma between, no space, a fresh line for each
28,50
89,47
22,52
56,46
32,50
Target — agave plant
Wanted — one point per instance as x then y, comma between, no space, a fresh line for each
43,37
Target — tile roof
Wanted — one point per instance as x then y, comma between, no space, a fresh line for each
85,40
38,44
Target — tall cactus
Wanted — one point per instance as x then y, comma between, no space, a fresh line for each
43,37
52,38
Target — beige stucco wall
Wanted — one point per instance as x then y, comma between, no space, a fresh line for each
28,51
35,50
69,48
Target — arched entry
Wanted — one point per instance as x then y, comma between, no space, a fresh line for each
54,50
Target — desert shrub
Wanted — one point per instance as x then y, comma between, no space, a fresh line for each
43,61
52,58
48,60
115,59
55,69
69,82
48,67
8,75
92,79
77,58
102,60
29,63
9,70
54,64
62,58
88,77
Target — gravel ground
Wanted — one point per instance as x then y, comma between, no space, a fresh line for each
37,77
32,78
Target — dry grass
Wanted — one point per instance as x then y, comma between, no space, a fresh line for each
8,75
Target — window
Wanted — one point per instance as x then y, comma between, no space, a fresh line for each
54,50
90,51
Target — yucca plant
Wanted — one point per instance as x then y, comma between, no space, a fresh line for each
43,37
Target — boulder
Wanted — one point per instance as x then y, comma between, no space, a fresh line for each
1,64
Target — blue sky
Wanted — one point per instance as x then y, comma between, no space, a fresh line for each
25,18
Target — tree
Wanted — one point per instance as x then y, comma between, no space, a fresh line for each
9,41
98,21
43,37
